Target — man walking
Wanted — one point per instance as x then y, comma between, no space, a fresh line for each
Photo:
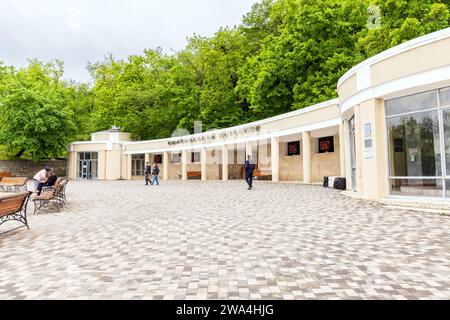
147,172
249,168
155,174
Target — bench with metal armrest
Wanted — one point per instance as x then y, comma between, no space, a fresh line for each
55,195
13,184
14,208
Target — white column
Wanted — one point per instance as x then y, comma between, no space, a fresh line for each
203,161
105,165
166,165
129,175
147,157
225,163
347,156
73,165
275,154
306,146
184,165
342,148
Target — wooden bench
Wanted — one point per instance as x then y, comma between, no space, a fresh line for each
194,174
5,174
14,208
262,174
13,184
52,195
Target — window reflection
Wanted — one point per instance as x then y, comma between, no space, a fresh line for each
415,145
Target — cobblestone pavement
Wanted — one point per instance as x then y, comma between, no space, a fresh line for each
215,240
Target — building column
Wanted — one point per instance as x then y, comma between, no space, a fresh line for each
105,166
203,161
306,146
129,175
147,157
275,154
347,156
225,163
166,165
342,149
184,165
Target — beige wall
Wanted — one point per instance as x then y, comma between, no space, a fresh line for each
291,168
174,171
101,136
325,164
348,88
214,171
315,116
427,57
372,174
100,148
264,156
113,159
413,61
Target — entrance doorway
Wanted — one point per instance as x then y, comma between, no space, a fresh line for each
87,165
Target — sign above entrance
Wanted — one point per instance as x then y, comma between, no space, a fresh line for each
212,137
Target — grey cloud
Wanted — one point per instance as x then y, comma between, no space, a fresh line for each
79,31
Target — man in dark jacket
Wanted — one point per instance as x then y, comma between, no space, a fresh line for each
155,173
49,183
147,172
249,168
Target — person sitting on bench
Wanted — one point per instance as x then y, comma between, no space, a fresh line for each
40,177
49,183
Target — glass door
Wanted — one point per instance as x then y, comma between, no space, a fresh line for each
87,165
85,170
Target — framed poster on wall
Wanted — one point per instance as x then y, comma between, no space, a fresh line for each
158,158
293,148
326,144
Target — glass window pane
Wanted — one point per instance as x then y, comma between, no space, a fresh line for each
94,169
447,139
414,145
80,169
417,187
448,188
94,155
416,102
445,96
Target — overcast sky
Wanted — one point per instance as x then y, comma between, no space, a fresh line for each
79,31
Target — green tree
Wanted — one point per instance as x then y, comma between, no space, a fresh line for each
34,114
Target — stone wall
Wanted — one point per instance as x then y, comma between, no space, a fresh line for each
25,168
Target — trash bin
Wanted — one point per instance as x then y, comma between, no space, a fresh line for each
340,183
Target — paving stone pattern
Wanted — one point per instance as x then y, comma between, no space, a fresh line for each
216,240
